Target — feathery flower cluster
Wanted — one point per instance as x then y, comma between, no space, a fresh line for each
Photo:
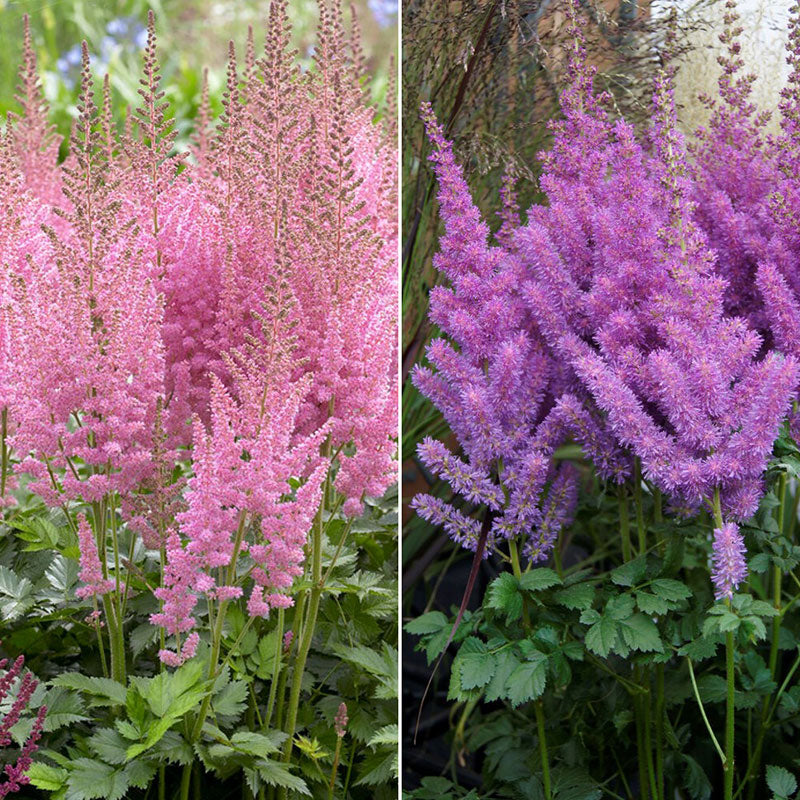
239,299
729,566
622,316
15,772
91,570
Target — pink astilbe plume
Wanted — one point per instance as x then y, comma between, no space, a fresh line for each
91,569
83,324
241,505
35,143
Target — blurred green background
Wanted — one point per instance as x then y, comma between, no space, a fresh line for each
192,34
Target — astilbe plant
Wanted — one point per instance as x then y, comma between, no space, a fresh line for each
23,685
199,349
648,314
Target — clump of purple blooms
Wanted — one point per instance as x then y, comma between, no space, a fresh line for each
650,312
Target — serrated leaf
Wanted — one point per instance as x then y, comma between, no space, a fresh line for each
700,649
651,604
388,735
580,596
231,700
781,781
536,580
671,590
475,664
92,780
258,744
506,663
527,682
432,622
108,744
43,776
620,607
602,636
112,691
274,773
696,781
641,633
503,596
630,573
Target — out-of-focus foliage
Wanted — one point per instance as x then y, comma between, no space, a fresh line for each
194,33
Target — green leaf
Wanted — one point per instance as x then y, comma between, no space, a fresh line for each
258,744
700,649
527,682
630,573
579,596
651,604
536,580
671,590
111,691
620,607
109,745
781,781
231,699
602,636
432,622
476,664
276,774
91,780
696,781
43,776
63,708
503,595
388,735
140,773
641,633
505,664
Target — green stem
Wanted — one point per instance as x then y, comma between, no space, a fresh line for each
624,524
308,629
640,742
516,568
729,718
637,494
276,668
703,712
335,768
543,749
660,707
647,724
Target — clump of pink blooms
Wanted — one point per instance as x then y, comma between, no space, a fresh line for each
647,312
234,305
23,684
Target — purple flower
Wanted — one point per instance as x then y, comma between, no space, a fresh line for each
729,567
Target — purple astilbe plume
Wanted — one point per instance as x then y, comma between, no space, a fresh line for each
557,514
734,175
488,374
729,566
607,319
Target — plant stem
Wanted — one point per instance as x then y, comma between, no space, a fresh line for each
335,768
703,711
624,524
660,731
729,718
543,749
517,570
637,494
647,724
273,687
308,627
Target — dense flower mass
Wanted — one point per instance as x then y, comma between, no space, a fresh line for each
647,312
729,567
234,305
